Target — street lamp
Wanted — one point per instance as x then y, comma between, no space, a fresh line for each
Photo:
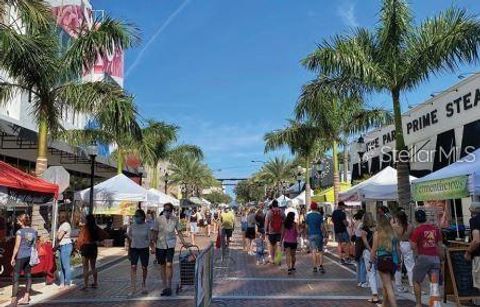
319,168
92,151
140,171
166,182
361,150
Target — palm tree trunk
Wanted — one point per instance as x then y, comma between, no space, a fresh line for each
336,177
154,178
402,156
120,160
308,191
345,164
42,160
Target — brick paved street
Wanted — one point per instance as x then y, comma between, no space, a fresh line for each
236,283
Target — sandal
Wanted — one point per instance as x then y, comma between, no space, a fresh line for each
23,302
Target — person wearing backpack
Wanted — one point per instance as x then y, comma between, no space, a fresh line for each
274,227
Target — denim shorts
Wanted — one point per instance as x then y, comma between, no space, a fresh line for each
316,242
342,237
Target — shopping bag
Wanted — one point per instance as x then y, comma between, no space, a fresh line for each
278,257
34,260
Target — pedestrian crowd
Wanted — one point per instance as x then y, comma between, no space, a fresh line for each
383,248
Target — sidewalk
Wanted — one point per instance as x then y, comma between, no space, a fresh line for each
107,256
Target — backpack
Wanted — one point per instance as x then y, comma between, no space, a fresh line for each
277,221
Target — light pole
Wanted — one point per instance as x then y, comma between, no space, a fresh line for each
140,171
319,168
361,150
92,152
166,182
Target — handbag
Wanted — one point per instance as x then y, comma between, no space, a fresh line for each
34,260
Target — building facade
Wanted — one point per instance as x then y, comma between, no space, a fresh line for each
437,133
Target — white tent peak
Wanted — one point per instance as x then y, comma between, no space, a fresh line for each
381,186
118,188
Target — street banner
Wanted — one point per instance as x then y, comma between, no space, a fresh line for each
125,208
449,188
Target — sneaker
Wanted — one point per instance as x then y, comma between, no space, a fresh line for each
343,262
322,270
401,289
359,284
315,270
289,271
365,285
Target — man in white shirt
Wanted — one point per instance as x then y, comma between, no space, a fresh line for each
164,240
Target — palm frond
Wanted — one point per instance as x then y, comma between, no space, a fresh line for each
441,43
104,38
33,15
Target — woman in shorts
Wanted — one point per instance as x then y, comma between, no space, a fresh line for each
250,233
138,235
194,219
289,238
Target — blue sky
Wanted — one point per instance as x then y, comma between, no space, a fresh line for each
228,71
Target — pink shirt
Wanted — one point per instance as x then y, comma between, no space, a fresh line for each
290,235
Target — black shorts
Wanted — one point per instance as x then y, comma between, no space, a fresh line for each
274,238
165,255
139,253
89,251
250,233
290,245
228,232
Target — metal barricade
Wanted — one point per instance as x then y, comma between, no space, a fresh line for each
204,278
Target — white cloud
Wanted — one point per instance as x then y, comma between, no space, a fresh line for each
346,11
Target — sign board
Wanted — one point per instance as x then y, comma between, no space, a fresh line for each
448,188
126,208
204,278
460,272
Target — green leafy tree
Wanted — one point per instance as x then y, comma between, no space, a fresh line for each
397,56
304,140
218,198
275,173
338,113
249,190
37,62
192,175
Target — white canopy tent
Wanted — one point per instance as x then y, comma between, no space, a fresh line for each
381,186
157,197
300,199
117,195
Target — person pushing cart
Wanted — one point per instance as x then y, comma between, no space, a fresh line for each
164,240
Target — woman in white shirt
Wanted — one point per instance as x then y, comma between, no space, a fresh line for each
65,248
139,238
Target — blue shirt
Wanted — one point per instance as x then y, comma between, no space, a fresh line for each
314,222
28,238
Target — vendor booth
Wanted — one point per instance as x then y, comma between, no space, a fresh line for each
380,189
114,201
439,192
300,199
19,192
118,195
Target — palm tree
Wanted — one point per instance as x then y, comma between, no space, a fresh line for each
158,145
37,62
397,56
304,140
275,173
192,174
338,113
